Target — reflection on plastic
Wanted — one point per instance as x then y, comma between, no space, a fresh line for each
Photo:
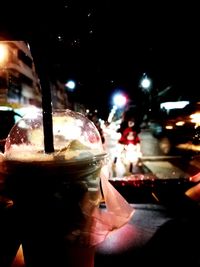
102,222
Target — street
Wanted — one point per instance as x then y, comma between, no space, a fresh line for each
152,163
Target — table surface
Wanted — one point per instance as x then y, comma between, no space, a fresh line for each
145,221
152,236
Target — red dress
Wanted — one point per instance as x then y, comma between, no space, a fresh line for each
129,136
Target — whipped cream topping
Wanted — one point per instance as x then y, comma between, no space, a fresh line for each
73,151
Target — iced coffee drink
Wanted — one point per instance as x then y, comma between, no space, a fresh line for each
55,194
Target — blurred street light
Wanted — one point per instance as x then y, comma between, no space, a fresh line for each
70,85
119,101
146,83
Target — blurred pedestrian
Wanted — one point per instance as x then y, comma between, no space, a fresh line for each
128,149
129,134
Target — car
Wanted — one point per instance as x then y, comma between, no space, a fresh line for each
177,128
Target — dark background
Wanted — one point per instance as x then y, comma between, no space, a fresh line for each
107,45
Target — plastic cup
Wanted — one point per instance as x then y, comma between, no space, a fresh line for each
55,194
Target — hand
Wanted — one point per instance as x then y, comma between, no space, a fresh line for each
194,192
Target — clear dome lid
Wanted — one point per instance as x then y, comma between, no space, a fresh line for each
74,135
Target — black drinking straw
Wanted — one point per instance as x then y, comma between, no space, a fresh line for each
47,115
41,68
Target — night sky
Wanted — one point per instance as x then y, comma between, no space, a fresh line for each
107,45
